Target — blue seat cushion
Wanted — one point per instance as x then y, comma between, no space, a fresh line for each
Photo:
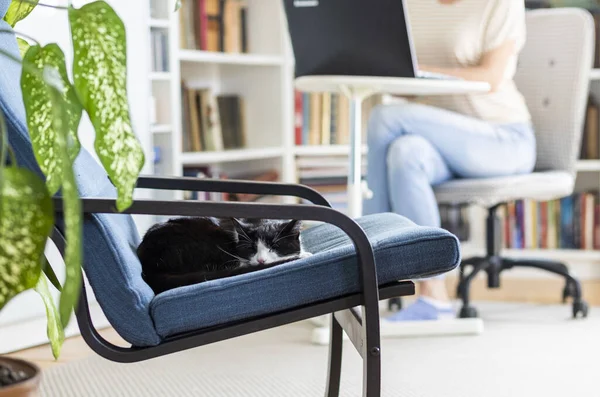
402,251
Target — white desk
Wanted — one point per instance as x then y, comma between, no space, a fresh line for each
357,88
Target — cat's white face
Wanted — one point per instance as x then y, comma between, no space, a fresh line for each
264,255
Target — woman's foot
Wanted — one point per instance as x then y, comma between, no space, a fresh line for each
433,303
424,308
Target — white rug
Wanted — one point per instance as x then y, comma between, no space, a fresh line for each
525,350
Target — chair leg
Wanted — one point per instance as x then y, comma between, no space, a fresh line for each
463,289
572,285
372,365
335,359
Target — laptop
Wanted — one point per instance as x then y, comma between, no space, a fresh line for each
353,38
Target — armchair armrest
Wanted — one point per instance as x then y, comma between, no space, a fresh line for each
231,186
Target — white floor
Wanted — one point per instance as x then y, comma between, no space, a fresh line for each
525,350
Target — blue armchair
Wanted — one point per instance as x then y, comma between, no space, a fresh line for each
355,262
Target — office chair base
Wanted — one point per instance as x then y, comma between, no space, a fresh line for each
468,312
493,264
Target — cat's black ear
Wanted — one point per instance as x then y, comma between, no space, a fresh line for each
239,228
291,227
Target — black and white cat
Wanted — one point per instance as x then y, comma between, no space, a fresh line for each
184,251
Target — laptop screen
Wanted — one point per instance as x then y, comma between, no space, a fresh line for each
350,37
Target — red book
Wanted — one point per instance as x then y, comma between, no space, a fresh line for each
507,235
597,226
298,117
544,224
203,22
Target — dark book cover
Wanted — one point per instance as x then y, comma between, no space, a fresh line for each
577,213
227,127
566,223
520,224
244,32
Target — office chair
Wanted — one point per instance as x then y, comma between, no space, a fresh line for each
553,75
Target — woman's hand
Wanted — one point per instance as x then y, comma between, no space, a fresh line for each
491,68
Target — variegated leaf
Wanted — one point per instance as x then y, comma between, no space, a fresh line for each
18,10
23,46
177,5
49,61
54,329
71,207
100,75
26,219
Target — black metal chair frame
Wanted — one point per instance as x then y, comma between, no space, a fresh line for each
362,327
494,264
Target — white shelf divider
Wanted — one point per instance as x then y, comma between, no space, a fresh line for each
160,129
324,150
196,56
588,166
160,76
230,156
159,23
595,74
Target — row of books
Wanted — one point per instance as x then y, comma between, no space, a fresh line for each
211,122
590,144
329,176
215,173
214,25
160,50
324,118
569,223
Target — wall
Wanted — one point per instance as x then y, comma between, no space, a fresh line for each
23,314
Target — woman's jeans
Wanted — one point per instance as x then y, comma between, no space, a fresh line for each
413,147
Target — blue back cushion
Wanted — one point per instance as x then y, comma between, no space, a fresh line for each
110,261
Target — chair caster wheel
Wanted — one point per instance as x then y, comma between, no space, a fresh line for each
468,312
580,307
395,304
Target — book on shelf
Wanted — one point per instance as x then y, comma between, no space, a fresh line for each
455,219
211,122
329,176
590,143
322,118
215,173
214,25
160,50
569,223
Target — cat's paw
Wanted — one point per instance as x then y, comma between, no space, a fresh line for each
305,255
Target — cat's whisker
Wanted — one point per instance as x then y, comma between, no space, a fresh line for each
281,238
234,256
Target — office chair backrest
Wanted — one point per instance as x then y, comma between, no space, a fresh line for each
553,75
110,261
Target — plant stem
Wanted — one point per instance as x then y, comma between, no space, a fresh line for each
44,5
28,37
12,57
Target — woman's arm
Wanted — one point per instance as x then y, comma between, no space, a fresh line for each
491,68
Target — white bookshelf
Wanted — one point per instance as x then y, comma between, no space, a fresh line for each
264,78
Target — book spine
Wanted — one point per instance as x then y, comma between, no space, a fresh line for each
203,24
298,117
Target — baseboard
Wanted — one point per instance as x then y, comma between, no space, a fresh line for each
31,333
526,290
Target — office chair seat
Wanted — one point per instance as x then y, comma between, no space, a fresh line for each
488,192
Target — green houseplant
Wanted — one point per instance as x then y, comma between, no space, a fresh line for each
54,103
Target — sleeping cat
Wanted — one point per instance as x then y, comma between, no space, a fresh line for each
184,251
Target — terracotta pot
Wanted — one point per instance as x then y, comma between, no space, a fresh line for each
27,388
